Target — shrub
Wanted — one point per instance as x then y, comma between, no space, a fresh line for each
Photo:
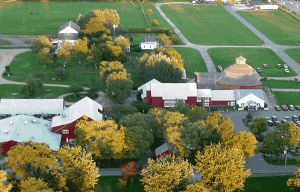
141,106
175,39
93,90
49,96
39,75
60,73
7,68
139,95
75,89
155,23
259,137
266,105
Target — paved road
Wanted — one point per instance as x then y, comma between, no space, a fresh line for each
286,90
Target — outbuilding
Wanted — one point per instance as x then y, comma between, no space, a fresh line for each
145,89
150,43
249,98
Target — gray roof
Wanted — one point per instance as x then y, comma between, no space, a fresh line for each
222,95
243,81
31,106
22,128
208,80
164,147
241,93
71,24
70,36
150,39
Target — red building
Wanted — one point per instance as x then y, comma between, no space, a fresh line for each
167,94
209,97
65,123
165,149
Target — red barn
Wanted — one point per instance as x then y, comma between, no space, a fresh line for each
145,88
167,94
65,123
165,149
209,97
23,128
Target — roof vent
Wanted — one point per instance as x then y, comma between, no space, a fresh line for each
11,122
25,122
5,131
18,133
33,120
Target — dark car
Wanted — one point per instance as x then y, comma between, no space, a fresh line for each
277,108
258,70
284,121
297,107
291,107
270,123
284,107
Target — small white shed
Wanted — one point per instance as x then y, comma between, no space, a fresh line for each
150,43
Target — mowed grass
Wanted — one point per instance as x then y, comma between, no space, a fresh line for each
209,25
263,184
294,54
37,18
281,84
287,98
110,183
279,26
193,61
256,58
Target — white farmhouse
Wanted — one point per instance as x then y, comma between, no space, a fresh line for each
249,97
150,42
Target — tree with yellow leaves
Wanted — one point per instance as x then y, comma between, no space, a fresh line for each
95,25
245,142
45,57
81,47
118,86
40,42
123,42
105,139
231,2
149,12
291,133
79,168
107,68
222,168
164,39
4,188
32,184
64,53
214,119
225,128
171,52
115,49
294,181
218,2
155,23
167,174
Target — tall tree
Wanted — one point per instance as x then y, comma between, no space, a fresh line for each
39,43
291,134
167,174
4,188
123,42
118,86
45,57
32,87
81,47
32,184
64,54
273,144
107,68
294,181
246,142
259,125
222,168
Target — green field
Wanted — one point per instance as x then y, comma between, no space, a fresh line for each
281,84
256,57
209,25
279,26
294,54
77,97
193,61
264,184
9,89
110,184
27,63
287,98
36,18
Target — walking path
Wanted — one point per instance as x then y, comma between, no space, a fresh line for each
286,90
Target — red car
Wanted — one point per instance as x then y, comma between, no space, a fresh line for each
284,107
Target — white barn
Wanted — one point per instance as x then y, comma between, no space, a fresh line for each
150,43
249,98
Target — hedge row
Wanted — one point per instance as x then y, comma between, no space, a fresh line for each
147,30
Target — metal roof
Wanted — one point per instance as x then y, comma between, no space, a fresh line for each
174,90
85,106
21,128
204,93
31,106
163,148
222,95
150,39
146,87
241,93
70,24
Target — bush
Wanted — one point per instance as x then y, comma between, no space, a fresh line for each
175,39
60,73
266,105
49,96
93,90
7,68
155,23
259,137
249,117
141,106
139,95
39,75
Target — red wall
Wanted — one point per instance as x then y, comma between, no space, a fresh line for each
165,153
70,127
157,102
7,145
148,97
216,103
192,101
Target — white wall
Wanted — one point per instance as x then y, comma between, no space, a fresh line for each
149,45
248,98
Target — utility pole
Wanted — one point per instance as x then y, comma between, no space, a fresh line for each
285,152
297,8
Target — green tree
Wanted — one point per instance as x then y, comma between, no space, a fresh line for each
249,117
75,89
117,112
259,125
273,144
118,86
197,113
32,87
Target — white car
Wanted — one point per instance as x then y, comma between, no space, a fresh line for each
286,66
287,71
266,65
291,3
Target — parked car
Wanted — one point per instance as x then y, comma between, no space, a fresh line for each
267,118
298,123
284,107
270,123
291,3
274,118
279,65
220,68
258,70
285,66
287,118
276,122
295,118
287,70
266,65
297,107
291,107
277,108
284,121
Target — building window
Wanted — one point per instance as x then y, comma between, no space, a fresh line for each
232,103
228,103
65,131
206,104
206,99
144,46
100,111
198,99
150,46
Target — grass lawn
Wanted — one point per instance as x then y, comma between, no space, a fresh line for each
273,161
37,18
209,25
110,183
193,61
7,91
287,98
263,184
279,26
281,84
256,57
27,62
294,54
77,97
